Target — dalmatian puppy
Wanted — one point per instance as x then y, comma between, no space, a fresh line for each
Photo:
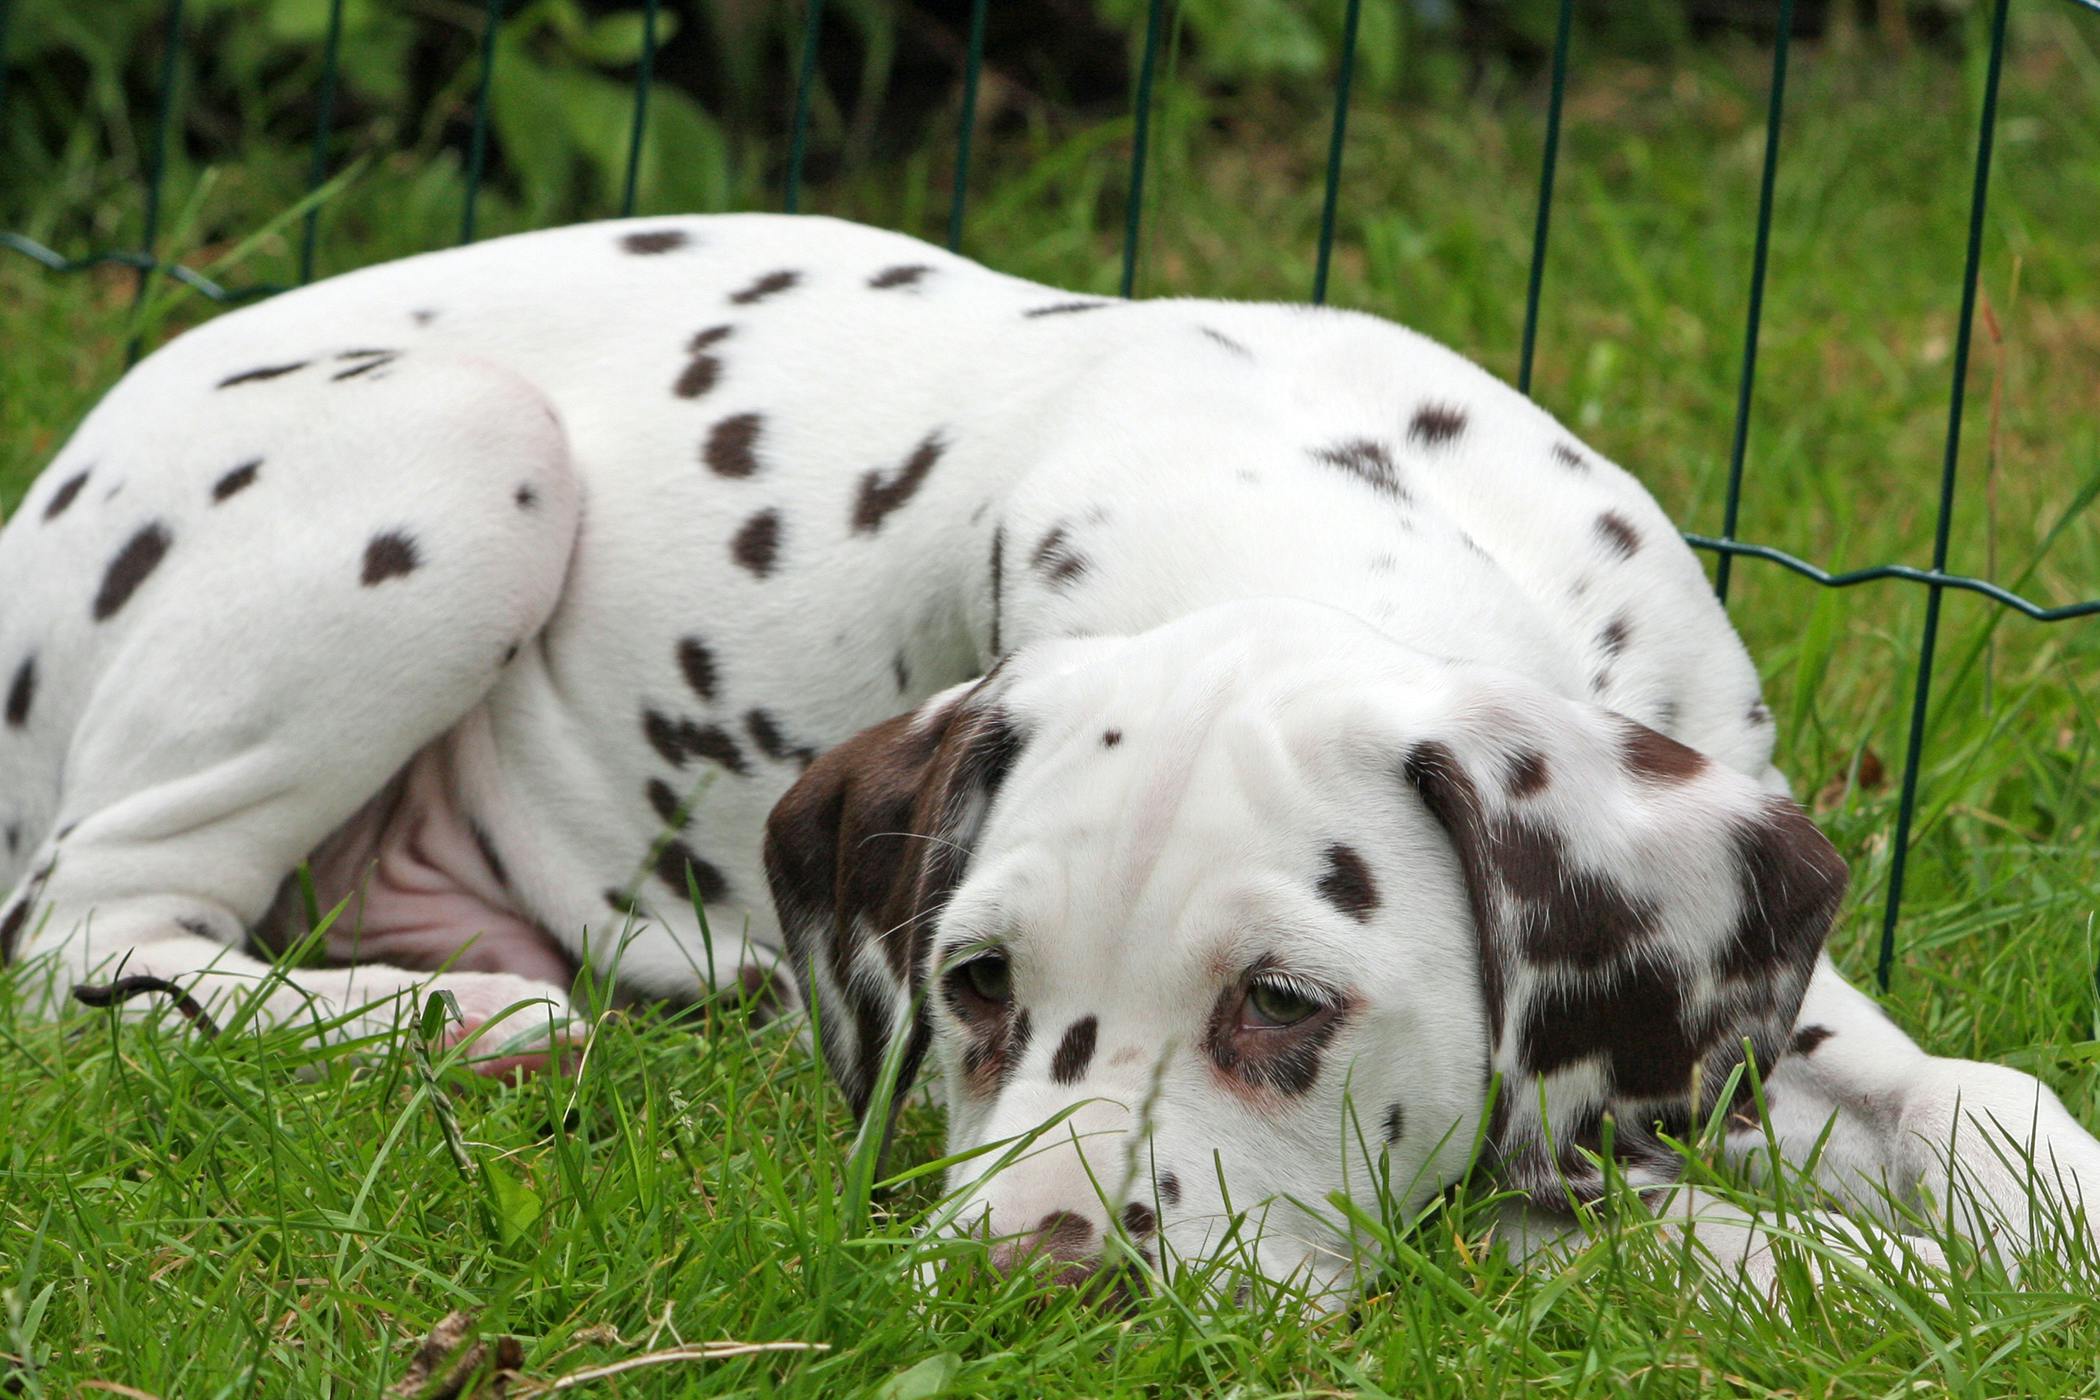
1237,736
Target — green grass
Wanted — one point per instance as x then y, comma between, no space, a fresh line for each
243,1216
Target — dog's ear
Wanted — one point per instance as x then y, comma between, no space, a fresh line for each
862,854
1641,912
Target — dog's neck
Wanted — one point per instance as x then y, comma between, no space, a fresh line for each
1152,491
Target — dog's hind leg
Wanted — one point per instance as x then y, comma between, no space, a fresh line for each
243,628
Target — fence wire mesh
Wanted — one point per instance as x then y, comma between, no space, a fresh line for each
1936,579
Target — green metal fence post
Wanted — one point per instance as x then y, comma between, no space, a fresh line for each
317,166
1725,564
1334,149
1140,135
642,79
812,29
6,11
1971,271
1546,168
477,149
972,66
157,167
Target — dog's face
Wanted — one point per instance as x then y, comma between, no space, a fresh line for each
1251,908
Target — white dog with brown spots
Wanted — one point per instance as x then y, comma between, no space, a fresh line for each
1250,730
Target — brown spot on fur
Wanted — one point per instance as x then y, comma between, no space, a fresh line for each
998,583
134,563
757,543
655,241
772,284
236,481
1139,1220
1347,885
1569,457
11,928
698,377
386,358
705,369
1066,308
680,741
1656,757
697,663
64,495
1436,424
21,692
676,859
1367,461
765,732
732,446
1056,560
1170,1188
257,376
1613,637
878,497
1527,774
392,554
1621,536
906,275
666,804
1808,1039
1075,1053
1111,737
1791,882
525,497
1228,342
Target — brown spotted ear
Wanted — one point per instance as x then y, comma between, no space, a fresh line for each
863,852
1641,912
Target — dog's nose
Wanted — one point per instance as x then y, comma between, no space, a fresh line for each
1061,1240
1068,1249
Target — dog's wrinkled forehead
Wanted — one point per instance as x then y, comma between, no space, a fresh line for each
1225,785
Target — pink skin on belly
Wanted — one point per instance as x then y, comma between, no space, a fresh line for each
423,893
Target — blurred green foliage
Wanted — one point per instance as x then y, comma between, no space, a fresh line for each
83,85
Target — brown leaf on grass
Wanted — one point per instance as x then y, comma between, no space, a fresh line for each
1870,776
454,1364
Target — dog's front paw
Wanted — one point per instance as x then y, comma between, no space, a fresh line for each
509,1024
505,1023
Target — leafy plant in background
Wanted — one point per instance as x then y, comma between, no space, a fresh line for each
83,93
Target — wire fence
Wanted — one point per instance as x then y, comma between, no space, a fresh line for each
1935,579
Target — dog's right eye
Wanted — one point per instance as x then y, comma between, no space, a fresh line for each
988,978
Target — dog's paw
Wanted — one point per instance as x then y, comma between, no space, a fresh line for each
505,1023
509,1024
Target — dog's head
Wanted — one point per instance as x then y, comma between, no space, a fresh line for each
1262,902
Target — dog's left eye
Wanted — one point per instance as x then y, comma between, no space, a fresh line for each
1277,1004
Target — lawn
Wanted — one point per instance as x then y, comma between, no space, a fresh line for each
245,1216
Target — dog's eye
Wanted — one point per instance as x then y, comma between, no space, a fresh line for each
1277,1004
989,976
